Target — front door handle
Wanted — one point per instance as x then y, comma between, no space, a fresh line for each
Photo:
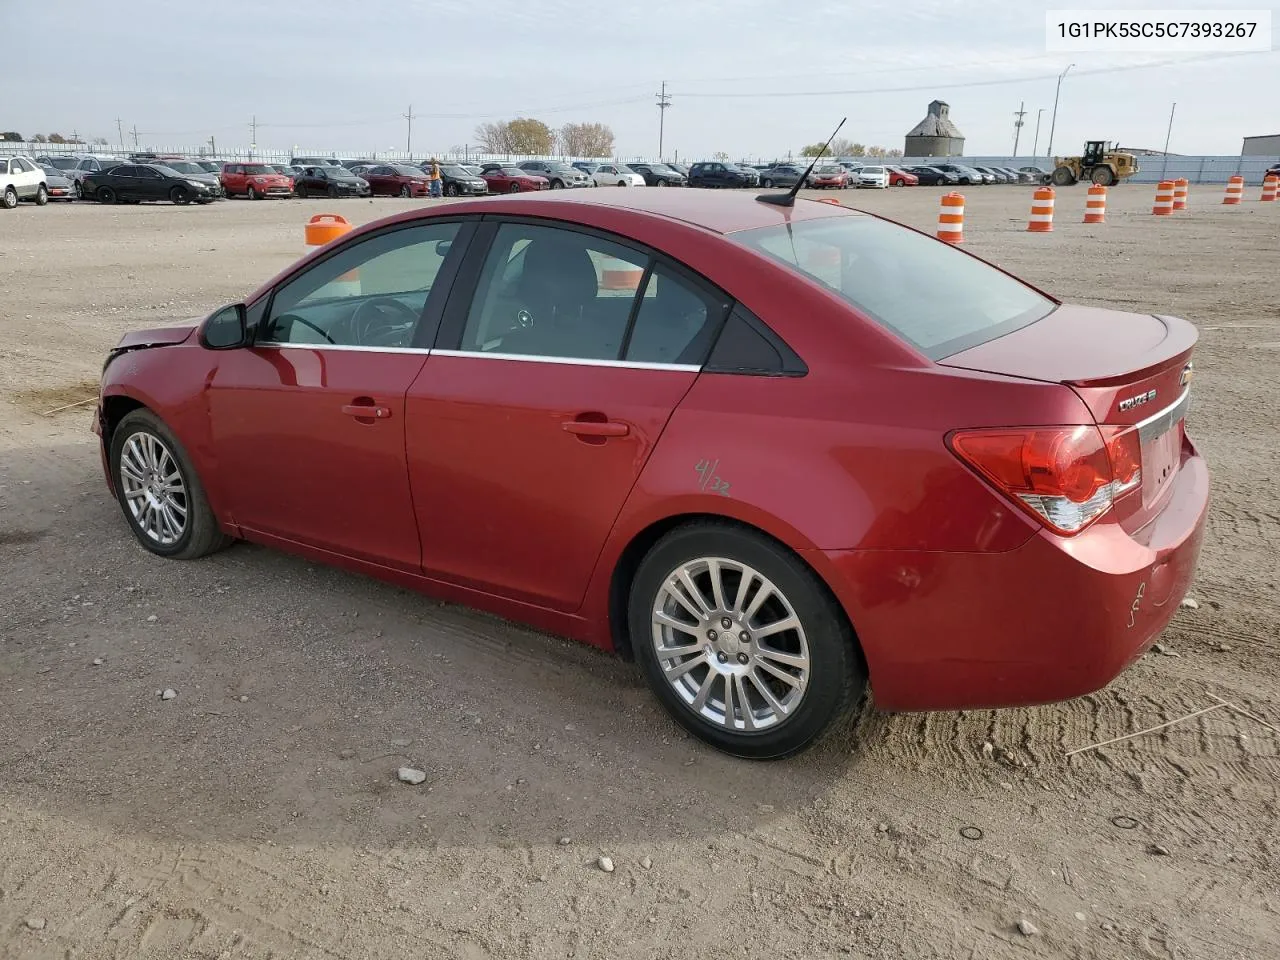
366,411
597,428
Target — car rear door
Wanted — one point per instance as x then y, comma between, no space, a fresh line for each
309,423
560,360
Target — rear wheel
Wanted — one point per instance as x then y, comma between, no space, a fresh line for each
1103,176
1063,177
105,195
333,192
159,492
741,642
180,196
300,191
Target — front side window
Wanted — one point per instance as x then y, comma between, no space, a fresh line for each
934,297
554,293
369,295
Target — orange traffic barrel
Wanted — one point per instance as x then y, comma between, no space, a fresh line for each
1235,190
1270,188
1095,205
1041,211
951,218
1181,190
323,228
1163,206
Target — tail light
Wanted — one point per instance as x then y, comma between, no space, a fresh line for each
1065,477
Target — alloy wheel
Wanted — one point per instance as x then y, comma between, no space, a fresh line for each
730,644
153,487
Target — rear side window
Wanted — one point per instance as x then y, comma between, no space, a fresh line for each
934,297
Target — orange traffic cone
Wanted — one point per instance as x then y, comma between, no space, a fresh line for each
951,218
1164,199
1095,205
1235,191
1041,211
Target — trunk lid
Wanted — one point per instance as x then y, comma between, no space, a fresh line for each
1131,370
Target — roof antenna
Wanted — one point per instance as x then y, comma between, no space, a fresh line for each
789,199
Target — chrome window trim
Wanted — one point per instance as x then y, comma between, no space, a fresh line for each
350,348
575,361
1158,423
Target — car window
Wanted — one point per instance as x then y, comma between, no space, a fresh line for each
675,322
124,170
549,292
876,266
369,295
24,165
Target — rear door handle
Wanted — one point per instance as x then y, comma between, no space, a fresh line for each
596,428
366,411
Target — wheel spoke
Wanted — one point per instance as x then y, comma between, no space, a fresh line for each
669,621
744,701
788,659
704,691
694,593
717,583
781,674
728,702
763,689
744,586
763,594
778,626
675,673
136,493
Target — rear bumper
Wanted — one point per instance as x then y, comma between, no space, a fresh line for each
1054,619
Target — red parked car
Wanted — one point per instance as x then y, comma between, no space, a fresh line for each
513,180
737,441
255,181
901,178
396,180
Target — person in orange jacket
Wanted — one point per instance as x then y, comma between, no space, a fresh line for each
434,178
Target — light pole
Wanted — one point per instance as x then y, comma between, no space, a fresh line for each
1035,145
1053,121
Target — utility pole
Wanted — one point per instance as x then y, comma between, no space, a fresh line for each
408,140
1017,125
135,136
664,101
253,135
1053,120
1035,146
213,147
1168,133
120,131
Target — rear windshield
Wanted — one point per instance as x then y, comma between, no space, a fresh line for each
933,296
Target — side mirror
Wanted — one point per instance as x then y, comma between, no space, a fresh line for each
226,329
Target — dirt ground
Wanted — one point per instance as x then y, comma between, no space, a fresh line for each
258,814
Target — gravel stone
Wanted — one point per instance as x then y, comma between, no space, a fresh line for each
1027,928
411,776
169,694
605,864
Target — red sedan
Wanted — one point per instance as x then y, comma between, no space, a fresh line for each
901,178
513,180
735,440
396,180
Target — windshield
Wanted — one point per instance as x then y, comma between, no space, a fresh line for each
185,166
829,169
407,171
873,170
51,171
257,169
449,170
62,163
876,266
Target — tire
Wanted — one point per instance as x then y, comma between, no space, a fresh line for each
766,183
42,195
557,184
76,193
451,190
515,188
623,183
145,441
300,191
406,192
333,192
797,714
105,195
180,196
251,194
659,183
1062,177
1103,176
10,198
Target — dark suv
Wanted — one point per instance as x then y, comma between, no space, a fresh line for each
659,174
713,173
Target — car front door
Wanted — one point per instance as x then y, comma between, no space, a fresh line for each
309,423
549,386
150,184
381,180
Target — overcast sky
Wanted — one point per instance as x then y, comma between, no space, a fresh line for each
327,75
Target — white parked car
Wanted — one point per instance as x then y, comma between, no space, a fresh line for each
21,179
616,175
873,177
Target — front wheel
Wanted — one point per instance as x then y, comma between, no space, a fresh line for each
333,192
42,196
1103,176
1063,177
251,193
159,492
75,190
451,190
766,183
515,188
557,184
180,196
741,642
406,192
300,191
659,183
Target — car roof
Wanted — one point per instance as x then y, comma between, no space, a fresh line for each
714,210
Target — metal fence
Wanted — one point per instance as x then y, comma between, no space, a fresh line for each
1197,169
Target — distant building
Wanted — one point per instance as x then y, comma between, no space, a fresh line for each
1268,146
935,135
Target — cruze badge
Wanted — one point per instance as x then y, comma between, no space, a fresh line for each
1130,402
1186,375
